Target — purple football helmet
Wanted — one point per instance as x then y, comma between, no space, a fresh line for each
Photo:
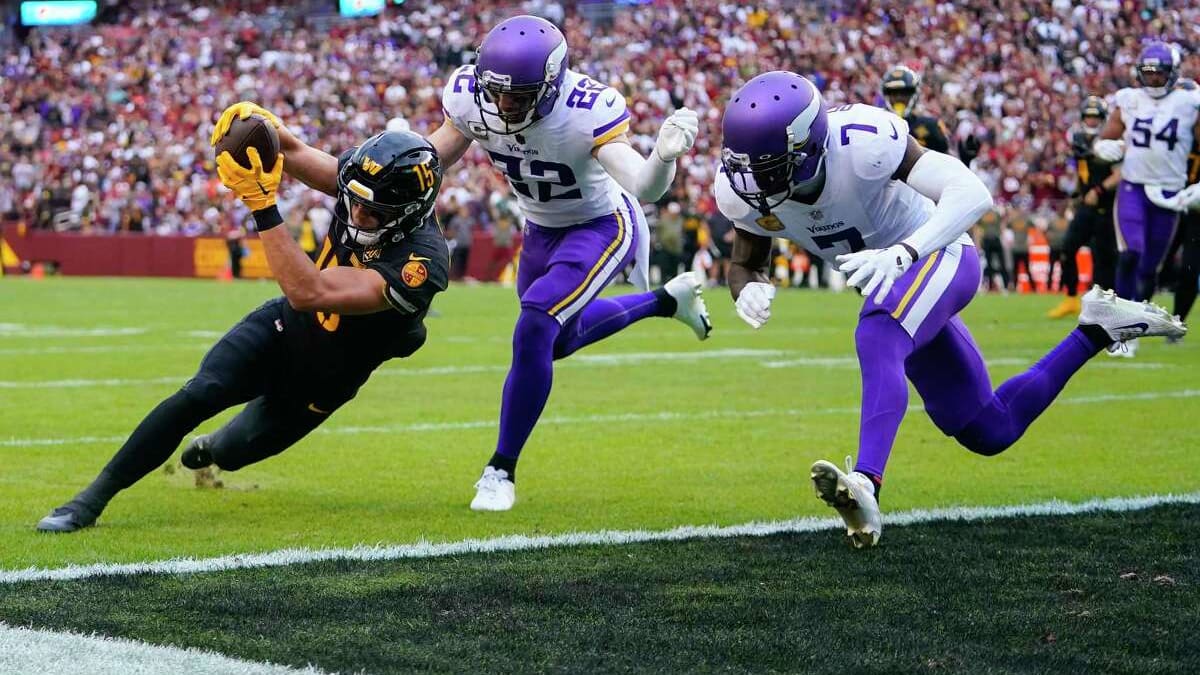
1157,58
519,70
774,129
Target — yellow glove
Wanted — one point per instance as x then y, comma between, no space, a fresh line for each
240,110
255,186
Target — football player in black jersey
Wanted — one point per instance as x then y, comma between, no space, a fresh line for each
901,89
298,358
1096,188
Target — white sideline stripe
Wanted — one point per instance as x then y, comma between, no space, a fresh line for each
520,542
24,650
662,416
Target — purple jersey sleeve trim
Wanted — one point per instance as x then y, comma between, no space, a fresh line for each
600,131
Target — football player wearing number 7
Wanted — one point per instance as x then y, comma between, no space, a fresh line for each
850,185
1151,129
561,140
298,358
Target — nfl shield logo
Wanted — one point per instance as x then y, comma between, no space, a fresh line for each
817,214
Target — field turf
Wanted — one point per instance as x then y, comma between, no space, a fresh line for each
650,429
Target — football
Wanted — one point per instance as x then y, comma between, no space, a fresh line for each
254,131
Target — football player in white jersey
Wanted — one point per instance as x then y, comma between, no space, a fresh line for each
561,139
851,186
1151,130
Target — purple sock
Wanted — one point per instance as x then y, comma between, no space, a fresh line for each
883,345
528,384
604,316
1020,400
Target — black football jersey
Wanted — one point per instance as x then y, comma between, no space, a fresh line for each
929,132
415,269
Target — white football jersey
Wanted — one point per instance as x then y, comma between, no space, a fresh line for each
557,181
1158,135
861,206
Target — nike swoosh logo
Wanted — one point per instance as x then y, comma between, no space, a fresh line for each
313,407
895,134
1142,325
264,190
611,101
416,258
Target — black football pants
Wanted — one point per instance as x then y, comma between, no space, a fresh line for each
1092,226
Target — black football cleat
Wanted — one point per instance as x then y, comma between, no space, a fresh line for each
69,517
196,455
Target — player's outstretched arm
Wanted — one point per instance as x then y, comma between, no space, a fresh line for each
960,195
450,143
649,179
341,290
313,167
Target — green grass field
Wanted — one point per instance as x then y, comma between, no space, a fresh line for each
650,429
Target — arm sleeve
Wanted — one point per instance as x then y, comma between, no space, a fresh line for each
647,179
960,196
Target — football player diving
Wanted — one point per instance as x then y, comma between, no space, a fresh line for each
298,358
851,186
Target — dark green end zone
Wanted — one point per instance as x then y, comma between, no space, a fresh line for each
1096,593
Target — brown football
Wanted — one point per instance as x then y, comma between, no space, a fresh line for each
254,131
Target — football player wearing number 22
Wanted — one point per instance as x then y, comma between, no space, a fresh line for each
561,139
298,358
850,185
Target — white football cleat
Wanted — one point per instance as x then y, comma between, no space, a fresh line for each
494,491
689,303
853,495
1126,320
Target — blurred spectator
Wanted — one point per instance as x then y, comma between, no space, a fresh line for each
123,108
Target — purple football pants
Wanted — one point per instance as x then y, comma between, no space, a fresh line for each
916,335
1144,233
560,274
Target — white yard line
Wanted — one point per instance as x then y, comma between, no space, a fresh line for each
30,652
661,416
20,330
520,542
581,360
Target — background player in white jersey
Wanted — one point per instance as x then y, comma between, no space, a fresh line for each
561,140
1152,128
851,186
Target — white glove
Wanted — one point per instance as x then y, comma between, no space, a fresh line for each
754,303
875,268
1189,198
677,135
1155,194
1109,150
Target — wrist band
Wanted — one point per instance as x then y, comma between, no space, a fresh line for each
265,219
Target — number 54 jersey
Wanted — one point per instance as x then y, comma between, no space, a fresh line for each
550,166
1158,135
860,206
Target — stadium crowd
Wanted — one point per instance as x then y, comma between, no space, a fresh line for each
105,128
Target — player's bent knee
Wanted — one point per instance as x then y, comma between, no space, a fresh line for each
986,437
